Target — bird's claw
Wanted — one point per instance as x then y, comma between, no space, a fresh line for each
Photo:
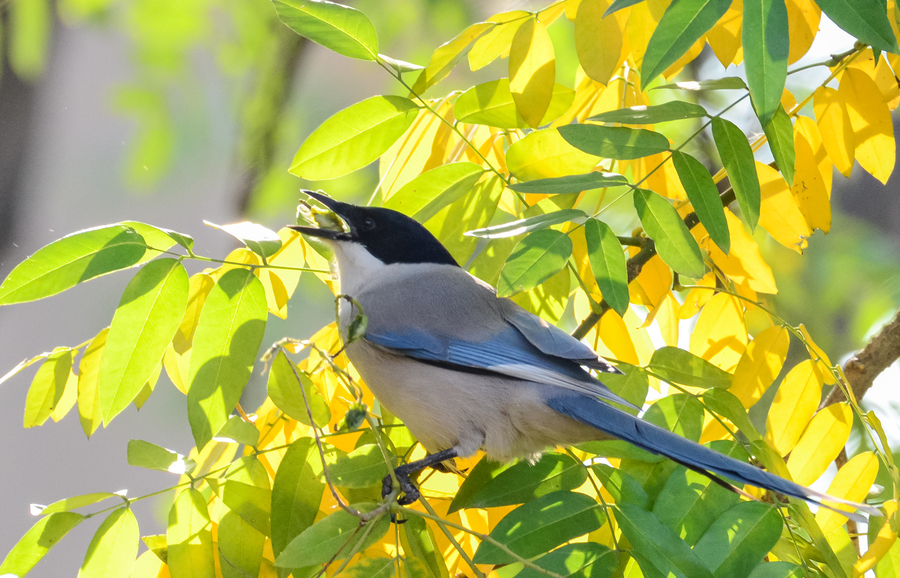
410,493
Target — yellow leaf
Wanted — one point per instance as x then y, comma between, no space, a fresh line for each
67,401
532,71
794,405
667,319
852,482
664,178
760,365
692,53
881,73
803,24
291,254
820,443
883,541
809,188
744,262
641,24
599,41
497,40
88,371
620,92
823,364
615,335
870,118
810,131
545,154
720,335
788,100
276,294
423,147
725,37
177,366
583,264
835,128
198,290
548,300
148,565
697,298
779,213
446,55
654,281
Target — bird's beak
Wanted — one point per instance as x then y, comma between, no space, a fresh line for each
322,233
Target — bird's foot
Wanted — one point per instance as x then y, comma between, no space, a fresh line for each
409,491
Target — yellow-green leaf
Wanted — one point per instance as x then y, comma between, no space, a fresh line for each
674,241
341,28
113,548
88,371
37,541
354,137
424,196
286,394
189,537
47,387
491,103
535,259
336,534
607,264
532,71
498,39
546,154
446,56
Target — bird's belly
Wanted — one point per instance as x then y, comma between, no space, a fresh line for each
506,417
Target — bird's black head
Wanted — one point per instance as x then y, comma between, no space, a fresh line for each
390,236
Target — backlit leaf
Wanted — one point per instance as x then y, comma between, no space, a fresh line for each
674,241
225,345
296,493
528,224
478,477
335,535
853,482
584,559
779,212
146,319
88,371
809,186
598,40
498,39
766,45
420,544
354,137
262,241
704,196
780,134
285,392
870,119
523,481
760,364
618,143
653,114
37,541
821,442
724,83
864,19
341,28
607,264
237,430
737,156
113,548
681,26
835,128
570,184
728,406
76,502
424,196
679,366
739,539
47,387
544,154
720,335
491,103
532,71
361,468
151,456
793,407
540,525
189,537
73,259
535,259
446,56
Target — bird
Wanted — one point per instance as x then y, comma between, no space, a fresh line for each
466,370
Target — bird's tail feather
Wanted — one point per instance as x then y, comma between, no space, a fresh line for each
657,440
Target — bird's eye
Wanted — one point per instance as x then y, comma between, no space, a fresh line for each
369,224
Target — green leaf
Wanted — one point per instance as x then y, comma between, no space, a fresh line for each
727,405
419,543
653,114
189,534
30,28
37,541
245,492
262,241
674,241
704,196
690,502
619,5
286,394
724,83
296,493
153,457
523,481
522,226
113,548
632,385
76,502
570,184
377,567
780,134
608,264
491,103
612,142
424,196
739,539
240,546
445,56
478,477
156,543
47,386
237,430
621,486
541,525
71,260
341,28
765,36
679,413
683,23
737,156
354,137
865,19
778,570
659,545
473,211
158,238
145,322
535,259
546,154
584,559
227,339
679,366
334,536
361,468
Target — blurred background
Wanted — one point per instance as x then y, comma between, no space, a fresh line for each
175,111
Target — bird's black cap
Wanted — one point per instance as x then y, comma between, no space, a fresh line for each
388,235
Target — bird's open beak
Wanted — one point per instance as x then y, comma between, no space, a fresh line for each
324,233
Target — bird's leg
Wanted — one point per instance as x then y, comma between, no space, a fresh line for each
410,491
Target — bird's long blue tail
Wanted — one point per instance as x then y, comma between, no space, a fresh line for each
657,440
